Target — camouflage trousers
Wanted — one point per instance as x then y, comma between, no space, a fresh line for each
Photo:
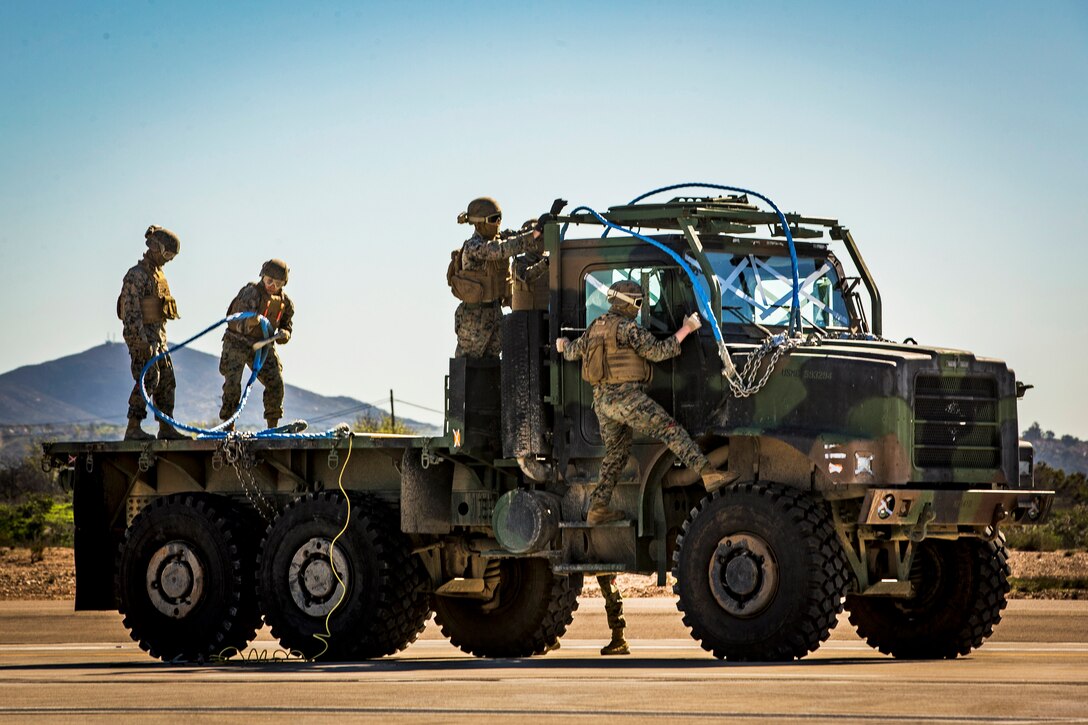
623,409
159,380
479,331
236,357
613,601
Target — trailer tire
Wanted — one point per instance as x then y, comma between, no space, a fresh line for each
760,573
960,591
185,582
384,604
535,607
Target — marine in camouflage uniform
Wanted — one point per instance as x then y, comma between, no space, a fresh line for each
616,354
266,296
613,609
478,276
144,306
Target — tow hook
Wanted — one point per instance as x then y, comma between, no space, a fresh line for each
925,518
1034,511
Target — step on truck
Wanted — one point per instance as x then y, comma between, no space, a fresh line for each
872,474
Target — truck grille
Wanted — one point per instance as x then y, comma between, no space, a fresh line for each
955,422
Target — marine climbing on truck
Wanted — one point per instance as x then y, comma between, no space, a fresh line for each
870,474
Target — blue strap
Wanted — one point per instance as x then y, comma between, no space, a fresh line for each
702,294
795,312
259,357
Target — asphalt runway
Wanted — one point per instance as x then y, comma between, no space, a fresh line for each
57,665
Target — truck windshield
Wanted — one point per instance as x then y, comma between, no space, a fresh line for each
758,289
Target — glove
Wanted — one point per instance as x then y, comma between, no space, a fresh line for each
282,337
692,322
557,206
561,344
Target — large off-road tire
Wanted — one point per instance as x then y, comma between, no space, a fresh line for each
533,611
960,588
760,573
384,605
185,581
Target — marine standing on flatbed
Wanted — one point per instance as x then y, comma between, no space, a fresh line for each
478,276
144,306
616,354
266,296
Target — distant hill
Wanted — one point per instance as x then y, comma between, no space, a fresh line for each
1065,452
92,387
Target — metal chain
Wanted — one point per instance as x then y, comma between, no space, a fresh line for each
235,450
744,383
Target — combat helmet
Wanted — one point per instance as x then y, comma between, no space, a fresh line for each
626,297
161,235
482,210
276,269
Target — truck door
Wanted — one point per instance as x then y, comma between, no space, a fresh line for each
668,299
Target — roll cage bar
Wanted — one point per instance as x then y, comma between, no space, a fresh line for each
733,214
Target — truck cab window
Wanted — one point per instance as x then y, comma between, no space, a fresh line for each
656,309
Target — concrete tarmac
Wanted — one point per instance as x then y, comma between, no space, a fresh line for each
57,665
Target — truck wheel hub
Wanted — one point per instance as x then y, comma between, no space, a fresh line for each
313,584
743,574
175,579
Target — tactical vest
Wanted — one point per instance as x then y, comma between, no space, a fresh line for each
476,286
605,361
158,306
273,310
271,306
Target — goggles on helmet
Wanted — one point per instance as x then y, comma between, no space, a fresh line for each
464,218
624,297
272,282
166,253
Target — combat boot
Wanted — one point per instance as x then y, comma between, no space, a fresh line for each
618,645
135,433
599,513
272,422
168,432
714,479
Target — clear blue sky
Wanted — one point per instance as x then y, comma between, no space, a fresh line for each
345,137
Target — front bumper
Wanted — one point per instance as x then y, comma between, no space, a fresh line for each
931,508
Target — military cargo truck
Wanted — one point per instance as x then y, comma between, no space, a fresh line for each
873,475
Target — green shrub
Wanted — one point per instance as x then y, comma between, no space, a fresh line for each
36,523
1031,538
1070,527
371,423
